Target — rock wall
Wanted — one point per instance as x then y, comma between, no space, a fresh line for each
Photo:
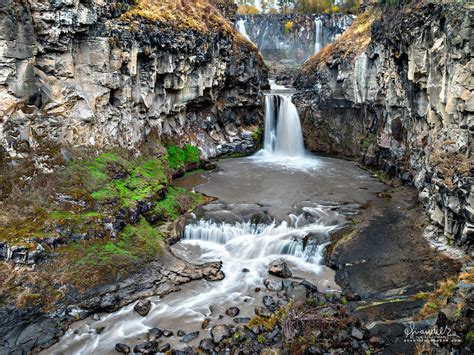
292,37
79,74
396,92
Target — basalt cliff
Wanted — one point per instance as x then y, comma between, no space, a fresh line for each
396,92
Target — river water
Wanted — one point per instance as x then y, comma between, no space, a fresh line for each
281,203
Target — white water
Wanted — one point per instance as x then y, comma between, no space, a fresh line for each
241,28
318,42
283,139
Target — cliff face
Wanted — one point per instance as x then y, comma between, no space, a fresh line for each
94,74
396,92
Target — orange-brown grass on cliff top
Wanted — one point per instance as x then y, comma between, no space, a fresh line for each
351,43
199,15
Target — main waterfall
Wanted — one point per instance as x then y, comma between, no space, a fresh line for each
283,136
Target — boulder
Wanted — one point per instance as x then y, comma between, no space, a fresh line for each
154,334
142,307
280,269
219,333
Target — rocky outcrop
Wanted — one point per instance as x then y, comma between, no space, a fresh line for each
396,92
293,38
90,74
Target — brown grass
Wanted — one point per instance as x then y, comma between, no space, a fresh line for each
180,14
449,165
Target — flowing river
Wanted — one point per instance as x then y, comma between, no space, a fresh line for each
280,204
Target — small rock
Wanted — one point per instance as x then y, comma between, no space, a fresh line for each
167,333
96,317
357,333
257,329
154,334
122,348
206,345
181,333
355,344
245,270
376,341
99,330
147,347
257,289
190,336
232,312
273,285
280,269
297,292
270,303
205,323
273,333
142,307
219,333
241,320
164,348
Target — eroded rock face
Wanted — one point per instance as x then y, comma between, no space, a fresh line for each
402,103
76,74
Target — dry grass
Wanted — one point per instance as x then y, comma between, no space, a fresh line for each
198,15
352,42
438,298
449,165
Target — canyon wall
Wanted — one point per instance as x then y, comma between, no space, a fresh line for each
293,38
88,74
396,92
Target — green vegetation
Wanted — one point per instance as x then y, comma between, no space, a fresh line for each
176,202
257,135
299,6
470,337
179,157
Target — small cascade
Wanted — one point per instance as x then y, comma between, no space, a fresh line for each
241,28
318,35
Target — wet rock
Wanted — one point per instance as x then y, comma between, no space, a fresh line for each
216,277
241,320
164,348
273,285
96,317
232,312
273,333
205,323
270,303
357,333
296,292
257,289
99,330
154,334
180,333
219,333
280,269
147,347
245,333
122,348
167,333
245,270
206,345
142,307
311,287
257,329
189,337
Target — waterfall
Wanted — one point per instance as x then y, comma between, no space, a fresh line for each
241,28
318,36
283,136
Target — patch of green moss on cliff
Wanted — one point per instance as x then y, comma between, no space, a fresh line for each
179,158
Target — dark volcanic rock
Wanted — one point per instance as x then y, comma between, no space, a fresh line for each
190,336
122,348
142,307
232,312
154,334
148,347
206,345
280,269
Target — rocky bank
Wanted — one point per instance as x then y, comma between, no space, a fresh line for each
395,91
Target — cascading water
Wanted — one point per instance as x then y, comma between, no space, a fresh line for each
318,35
241,28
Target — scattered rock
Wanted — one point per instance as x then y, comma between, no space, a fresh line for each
280,269
262,311
164,348
181,333
232,312
96,317
147,347
296,292
205,323
154,334
189,337
99,330
167,333
245,270
273,285
219,333
357,333
122,348
206,345
142,307
269,302
241,320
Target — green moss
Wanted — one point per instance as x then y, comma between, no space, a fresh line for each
257,135
470,337
421,295
176,202
179,157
